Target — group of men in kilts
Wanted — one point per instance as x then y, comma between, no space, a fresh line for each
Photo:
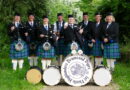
99,39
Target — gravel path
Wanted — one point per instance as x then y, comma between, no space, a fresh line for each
64,86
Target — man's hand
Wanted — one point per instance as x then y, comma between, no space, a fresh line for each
105,40
66,25
12,28
26,34
81,31
41,35
57,38
93,40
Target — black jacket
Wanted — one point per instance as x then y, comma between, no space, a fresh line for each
72,34
50,33
18,32
87,30
97,31
61,31
32,32
111,32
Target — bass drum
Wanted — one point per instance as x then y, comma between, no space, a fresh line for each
102,76
76,70
34,75
52,76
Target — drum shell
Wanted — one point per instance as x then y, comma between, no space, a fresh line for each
87,61
44,75
35,68
109,74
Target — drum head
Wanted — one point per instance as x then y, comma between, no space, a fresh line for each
34,76
52,76
76,70
102,77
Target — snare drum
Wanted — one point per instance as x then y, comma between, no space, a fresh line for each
34,75
76,70
102,76
52,76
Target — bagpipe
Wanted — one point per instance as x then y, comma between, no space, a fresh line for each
19,45
81,36
49,35
31,30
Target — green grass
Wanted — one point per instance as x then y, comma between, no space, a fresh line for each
15,80
121,75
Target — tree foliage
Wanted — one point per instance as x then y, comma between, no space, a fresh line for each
9,7
120,9
90,6
39,7
58,6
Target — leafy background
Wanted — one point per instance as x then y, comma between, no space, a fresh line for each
15,80
120,8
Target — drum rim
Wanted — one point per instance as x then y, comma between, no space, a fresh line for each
34,69
52,67
89,63
105,68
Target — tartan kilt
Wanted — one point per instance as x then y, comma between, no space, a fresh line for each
60,48
67,49
32,52
45,54
111,51
97,50
14,54
86,49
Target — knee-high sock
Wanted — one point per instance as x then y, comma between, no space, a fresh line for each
43,61
21,61
48,62
91,60
14,63
35,61
109,63
60,59
98,61
113,63
30,61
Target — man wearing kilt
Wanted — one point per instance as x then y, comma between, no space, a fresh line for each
71,34
97,51
18,47
86,26
31,38
46,47
58,29
110,37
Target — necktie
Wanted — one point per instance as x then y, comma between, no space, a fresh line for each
17,24
108,25
59,25
72,26
86,23
31,24
97,24
46,28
